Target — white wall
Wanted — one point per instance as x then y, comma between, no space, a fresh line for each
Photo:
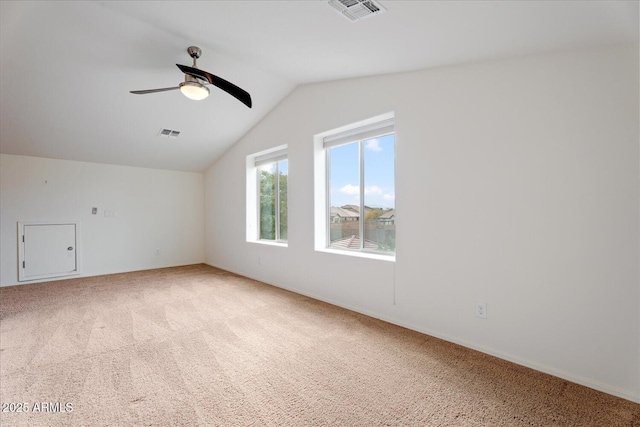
517,184
155,208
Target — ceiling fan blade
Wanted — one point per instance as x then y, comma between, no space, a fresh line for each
233,90
164,89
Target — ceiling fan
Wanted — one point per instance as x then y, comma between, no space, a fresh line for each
195,80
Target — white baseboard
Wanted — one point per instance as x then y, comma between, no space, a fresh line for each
88,275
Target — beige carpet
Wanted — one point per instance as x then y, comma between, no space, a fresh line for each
194,345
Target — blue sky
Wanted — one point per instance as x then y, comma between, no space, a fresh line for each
379,179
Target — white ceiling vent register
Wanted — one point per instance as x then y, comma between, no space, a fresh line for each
355,10
168,133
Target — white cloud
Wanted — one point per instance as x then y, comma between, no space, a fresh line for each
389,197
372,189
350,189
373,145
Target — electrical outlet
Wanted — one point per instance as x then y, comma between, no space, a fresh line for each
158,251
481,309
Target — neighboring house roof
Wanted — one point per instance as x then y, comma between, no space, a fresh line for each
353,211
356,208
353,242
343,213
353,208
390,214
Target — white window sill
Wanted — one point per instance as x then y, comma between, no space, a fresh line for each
270,243
368,255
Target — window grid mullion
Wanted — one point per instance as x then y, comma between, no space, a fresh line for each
277,201
328,195
361,158
259,203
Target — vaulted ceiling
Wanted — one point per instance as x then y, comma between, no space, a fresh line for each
66,68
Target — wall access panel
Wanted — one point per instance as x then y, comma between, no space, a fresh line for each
48,250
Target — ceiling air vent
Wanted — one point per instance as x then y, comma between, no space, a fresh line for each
168,133
355,10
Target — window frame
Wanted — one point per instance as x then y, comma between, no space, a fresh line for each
359,133
253,186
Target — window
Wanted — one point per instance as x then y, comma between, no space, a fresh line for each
359,164
273,200
267,213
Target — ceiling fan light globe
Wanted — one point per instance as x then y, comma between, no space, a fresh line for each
194,90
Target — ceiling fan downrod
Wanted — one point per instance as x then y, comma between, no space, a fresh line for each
194,52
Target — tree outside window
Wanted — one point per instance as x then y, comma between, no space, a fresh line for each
273,213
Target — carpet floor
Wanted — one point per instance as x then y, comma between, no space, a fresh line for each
198,346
